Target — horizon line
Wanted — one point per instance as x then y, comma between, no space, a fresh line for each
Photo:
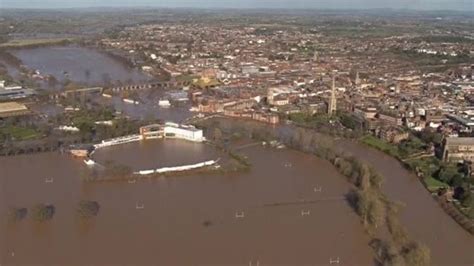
239,8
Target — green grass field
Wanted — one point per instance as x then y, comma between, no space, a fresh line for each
19,133
380,145
433,184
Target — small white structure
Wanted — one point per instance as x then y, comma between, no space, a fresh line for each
164,103
105,123
89,162
130,101
68,128
176,168
118,141
305,212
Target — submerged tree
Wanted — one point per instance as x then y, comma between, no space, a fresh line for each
376,214
416,254
17,214
217,134
42,212
88,209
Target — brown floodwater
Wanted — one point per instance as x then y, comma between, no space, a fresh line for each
186,220
424,219
157,153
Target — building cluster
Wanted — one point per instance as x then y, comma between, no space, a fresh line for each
266,72
388,84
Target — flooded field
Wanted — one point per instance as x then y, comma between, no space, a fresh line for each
152,154
79,64
187,220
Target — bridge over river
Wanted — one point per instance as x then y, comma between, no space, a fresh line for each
139,86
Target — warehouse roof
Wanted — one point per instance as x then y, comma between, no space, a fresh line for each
12,107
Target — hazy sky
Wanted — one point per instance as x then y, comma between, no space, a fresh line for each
465,5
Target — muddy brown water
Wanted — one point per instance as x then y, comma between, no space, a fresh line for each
424,219
157,153
171,229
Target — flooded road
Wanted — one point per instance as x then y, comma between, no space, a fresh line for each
424,219
186,220
78,64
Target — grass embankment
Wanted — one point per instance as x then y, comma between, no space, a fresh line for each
19,133
22,43
381,145
425,167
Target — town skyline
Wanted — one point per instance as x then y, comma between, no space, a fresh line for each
428,5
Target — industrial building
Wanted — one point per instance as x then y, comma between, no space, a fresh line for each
457,149
14,93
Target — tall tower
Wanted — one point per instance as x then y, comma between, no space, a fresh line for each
270,96
332,101
357,80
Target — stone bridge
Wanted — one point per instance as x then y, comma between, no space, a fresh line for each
85,91
152,85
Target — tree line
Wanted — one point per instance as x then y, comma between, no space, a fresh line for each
85,209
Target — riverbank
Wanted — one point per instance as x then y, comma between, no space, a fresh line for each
35,43
419,209
423,168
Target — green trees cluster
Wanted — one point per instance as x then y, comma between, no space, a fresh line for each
367,200
349,121
90,131
456,177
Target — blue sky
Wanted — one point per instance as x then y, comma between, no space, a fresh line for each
464,5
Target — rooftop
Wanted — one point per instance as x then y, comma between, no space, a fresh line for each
12,107
459,141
